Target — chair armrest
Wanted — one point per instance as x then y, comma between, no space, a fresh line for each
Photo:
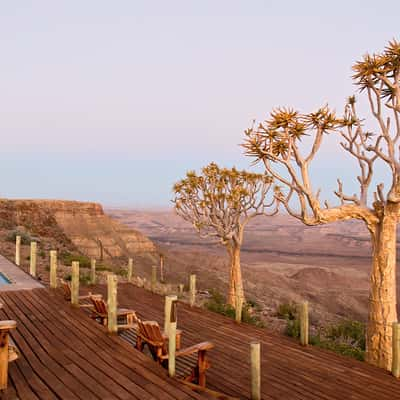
125,311
6,325
203,346
97,296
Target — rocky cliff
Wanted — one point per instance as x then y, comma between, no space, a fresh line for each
84,225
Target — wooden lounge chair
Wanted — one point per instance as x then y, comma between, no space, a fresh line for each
195,365
126,316
8,351
67,295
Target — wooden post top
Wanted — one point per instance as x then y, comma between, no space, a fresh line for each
5,325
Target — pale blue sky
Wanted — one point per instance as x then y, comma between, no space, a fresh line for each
114,101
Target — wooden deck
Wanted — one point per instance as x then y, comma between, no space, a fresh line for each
289,371
66,355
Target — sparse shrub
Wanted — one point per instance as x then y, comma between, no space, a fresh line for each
253,304
25,237
42,254
348,330
217,303
287,311
293,328
67,258
249,317
121,272
346,338
83,278
102,267
338,346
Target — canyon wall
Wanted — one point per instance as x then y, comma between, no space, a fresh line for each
83,225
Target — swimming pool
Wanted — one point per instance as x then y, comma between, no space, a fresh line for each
4,280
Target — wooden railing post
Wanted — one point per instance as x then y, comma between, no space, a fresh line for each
255,362
396,349
112,282
75,283
181,288
192,289
238,308
130,270
172,339
32,267
162,277
153,277
53,269
304,323
167,311
18,250
93,271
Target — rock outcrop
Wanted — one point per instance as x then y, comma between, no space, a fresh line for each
82,224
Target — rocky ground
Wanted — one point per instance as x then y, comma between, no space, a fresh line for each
283,261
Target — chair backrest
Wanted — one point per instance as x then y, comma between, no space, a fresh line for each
99,305
67,289
150,331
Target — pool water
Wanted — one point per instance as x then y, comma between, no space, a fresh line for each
4,280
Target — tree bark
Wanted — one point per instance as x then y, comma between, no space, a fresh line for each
235,280
382,302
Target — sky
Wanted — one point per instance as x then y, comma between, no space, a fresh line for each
114,101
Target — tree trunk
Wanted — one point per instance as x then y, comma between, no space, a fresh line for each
235,279
382,302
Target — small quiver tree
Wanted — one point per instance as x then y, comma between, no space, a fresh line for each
276,143
219,203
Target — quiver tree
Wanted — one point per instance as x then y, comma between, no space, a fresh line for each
276,143
219,203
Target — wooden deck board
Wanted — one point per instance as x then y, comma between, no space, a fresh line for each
289,371
66,355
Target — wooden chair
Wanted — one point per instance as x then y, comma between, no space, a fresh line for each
192,369
100,312
67,295
8,351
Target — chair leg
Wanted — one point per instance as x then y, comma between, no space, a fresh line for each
3,360
202,365
139,343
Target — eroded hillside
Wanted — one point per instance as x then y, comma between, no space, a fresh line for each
76,225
